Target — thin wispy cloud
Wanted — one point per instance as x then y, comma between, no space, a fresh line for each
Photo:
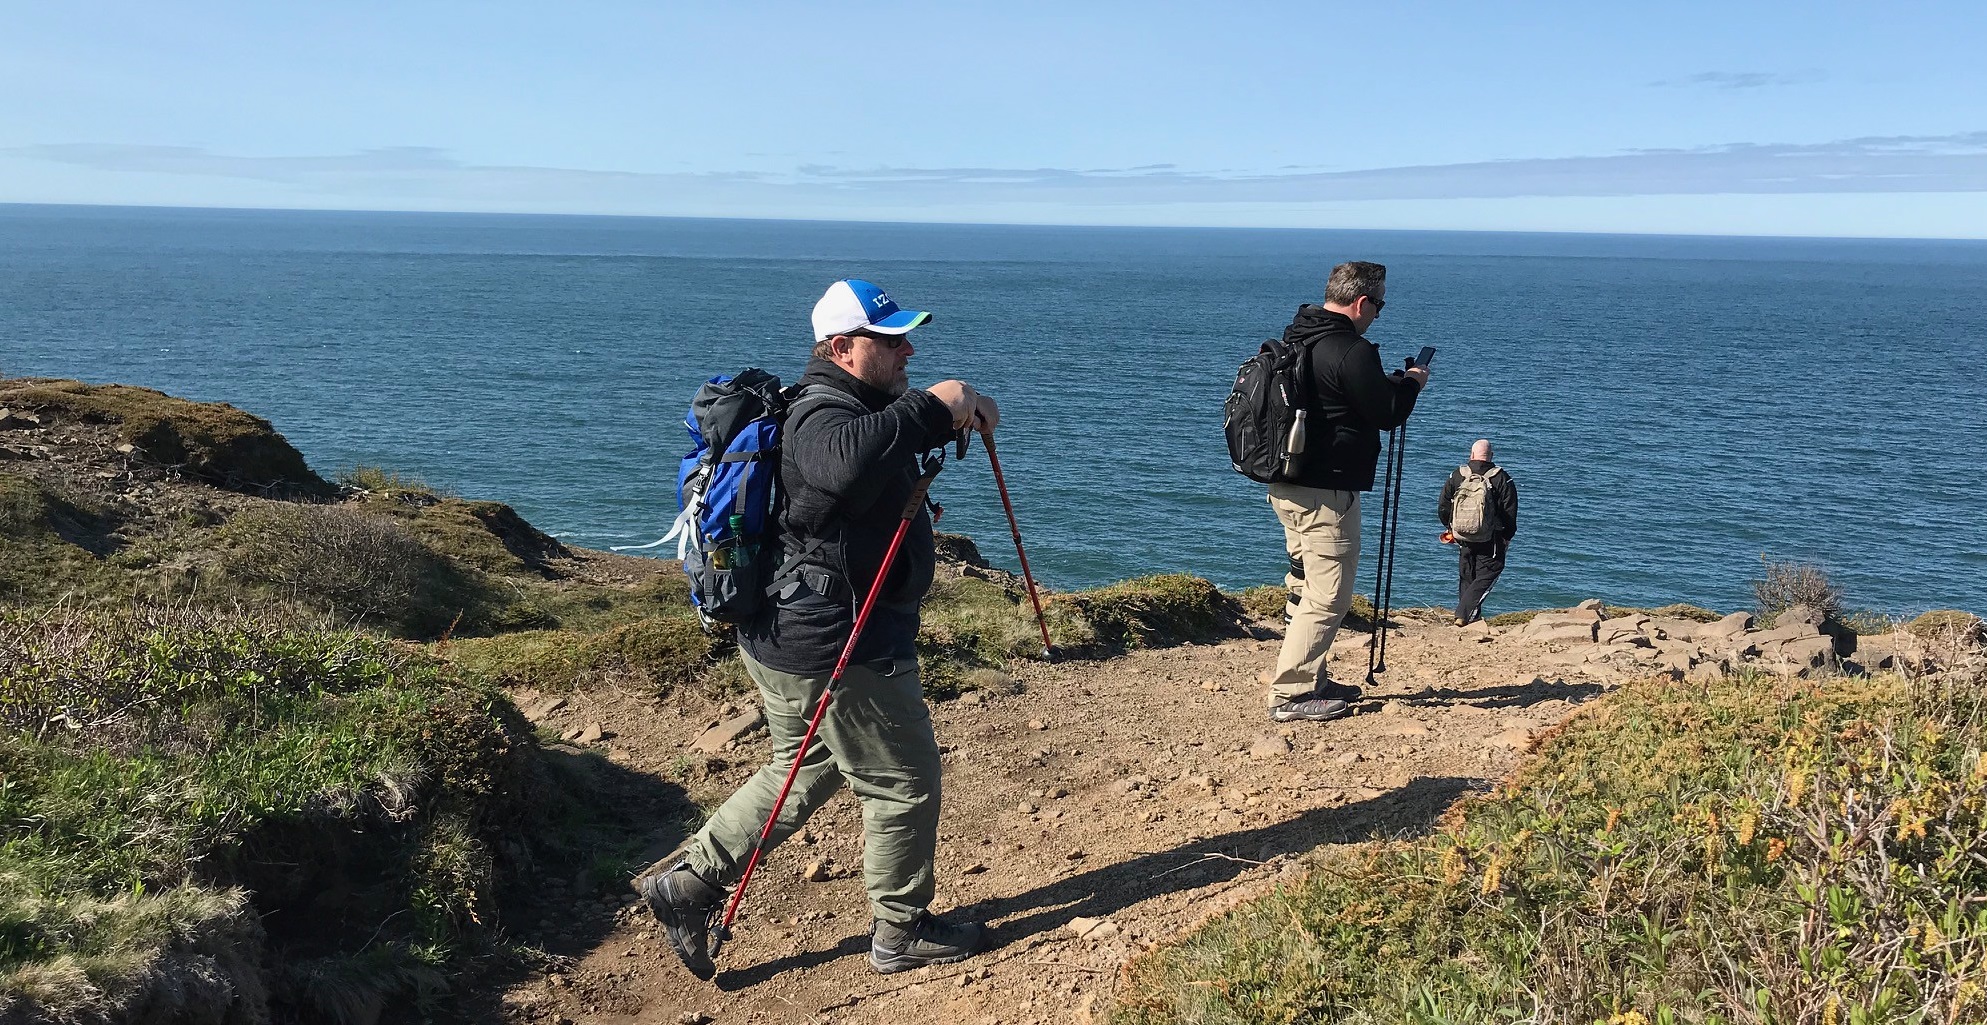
1744,79
1876,164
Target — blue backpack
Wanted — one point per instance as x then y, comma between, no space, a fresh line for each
727,529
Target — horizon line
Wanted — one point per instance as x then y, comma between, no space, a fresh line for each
986,224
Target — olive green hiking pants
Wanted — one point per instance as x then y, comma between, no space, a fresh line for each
1321,532
877,736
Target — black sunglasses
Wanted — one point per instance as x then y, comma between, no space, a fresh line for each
1378,304
887,341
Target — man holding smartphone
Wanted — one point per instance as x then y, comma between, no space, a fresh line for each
1353,399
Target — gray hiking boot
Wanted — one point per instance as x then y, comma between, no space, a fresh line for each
686,906
1309,709
1332,690
928,940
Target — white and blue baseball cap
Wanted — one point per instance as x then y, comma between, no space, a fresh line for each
852,305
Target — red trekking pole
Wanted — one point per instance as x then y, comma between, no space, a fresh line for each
723,931
993,459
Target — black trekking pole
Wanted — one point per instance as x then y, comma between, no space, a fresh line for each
932,465
1393,535
1376,659
993,458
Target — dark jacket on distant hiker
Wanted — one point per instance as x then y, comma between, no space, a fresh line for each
848,468
1480,563
1354,400
1503,499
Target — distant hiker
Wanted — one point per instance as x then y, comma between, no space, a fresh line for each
849,466
1352,399
1480,507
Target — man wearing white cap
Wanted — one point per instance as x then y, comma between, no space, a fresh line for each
848,464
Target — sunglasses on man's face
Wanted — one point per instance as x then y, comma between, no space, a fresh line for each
887,341
1378,303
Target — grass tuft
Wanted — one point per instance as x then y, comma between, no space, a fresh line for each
159,764
1145,612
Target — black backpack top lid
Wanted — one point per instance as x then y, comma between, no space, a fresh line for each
721,408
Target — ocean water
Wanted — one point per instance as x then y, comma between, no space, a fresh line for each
1674,409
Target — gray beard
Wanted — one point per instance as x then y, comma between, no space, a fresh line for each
892,386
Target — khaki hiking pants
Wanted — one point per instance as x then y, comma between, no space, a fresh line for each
1321,532
877,737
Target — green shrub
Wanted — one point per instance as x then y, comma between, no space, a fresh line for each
351,564
1743,851
1941,624
657,654
1149,611
1265,601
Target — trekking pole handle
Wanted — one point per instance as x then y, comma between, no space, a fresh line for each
923,488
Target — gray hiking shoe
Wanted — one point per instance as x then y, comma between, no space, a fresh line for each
686,906
1332,690
928,940
1309,709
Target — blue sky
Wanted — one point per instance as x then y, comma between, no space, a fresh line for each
1728,118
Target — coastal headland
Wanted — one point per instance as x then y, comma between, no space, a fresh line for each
281,746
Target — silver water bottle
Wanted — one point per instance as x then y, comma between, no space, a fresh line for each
1293,446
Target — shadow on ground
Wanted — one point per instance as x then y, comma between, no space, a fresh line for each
603,823
1100,893
1506,696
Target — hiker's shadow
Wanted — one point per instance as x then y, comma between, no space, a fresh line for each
1522,695
1104,891
602,819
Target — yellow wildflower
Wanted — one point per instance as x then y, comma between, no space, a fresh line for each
1775,847
1797,786
1453,867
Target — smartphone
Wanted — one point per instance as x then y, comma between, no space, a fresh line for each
1424,357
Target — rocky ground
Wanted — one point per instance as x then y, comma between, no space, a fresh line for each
1090,810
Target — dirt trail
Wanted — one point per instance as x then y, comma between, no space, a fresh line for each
1142,793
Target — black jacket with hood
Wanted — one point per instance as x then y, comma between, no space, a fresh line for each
1354,399
846,470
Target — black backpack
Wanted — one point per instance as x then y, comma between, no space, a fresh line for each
1266,410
